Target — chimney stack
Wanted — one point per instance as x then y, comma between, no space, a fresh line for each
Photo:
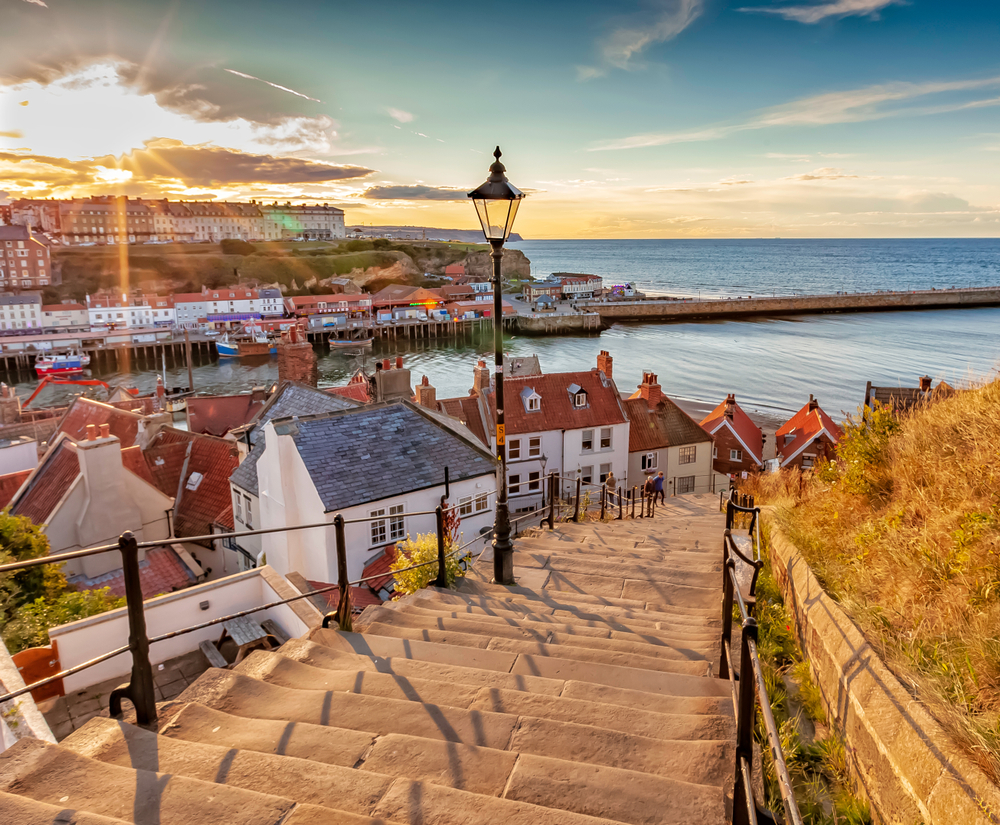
426,394
649,390
925,384
813,403
605,362
480,378
91,432
730,406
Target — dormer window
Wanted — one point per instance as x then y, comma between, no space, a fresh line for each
532,400
580,400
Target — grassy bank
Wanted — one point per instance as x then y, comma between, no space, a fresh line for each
903,530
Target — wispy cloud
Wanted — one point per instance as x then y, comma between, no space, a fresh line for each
401,192
851,106
399,114
273,85
38,3
664,21
816,12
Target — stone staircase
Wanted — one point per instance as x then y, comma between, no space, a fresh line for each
584,695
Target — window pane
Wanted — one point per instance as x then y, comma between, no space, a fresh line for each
588,439
587,474
514,448
534,447
687,455
685,484
533,481
465,506
515,483
605,438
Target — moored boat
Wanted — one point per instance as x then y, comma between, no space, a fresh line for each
353,338
72,362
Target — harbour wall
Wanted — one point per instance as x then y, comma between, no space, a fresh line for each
556,324
685,310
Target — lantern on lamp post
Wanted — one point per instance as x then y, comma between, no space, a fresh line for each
496,203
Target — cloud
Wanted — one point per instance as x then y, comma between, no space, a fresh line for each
217,166
38,3
821,11
400,192
274,85
399,114
664,21
12,134
850,106
826,173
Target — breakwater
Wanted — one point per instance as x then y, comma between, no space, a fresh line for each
762,306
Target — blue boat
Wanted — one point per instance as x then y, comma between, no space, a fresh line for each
226,348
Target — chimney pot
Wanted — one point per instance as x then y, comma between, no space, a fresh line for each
399,362
385,363
105,430
91,432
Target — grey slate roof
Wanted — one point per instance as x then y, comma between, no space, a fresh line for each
293,398
381,450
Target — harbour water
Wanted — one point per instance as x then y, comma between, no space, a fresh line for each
771,365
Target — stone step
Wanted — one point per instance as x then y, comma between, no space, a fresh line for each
522,664
696,698
685,548
553,607
525,631
707,761
275,669
492,773
516,612
702,599
20,810
538,553
56,775
542,651
705,574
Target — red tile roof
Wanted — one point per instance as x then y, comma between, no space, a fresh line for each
10,484
50,482
604,407
124,425
134,460
218,414
806,426
745,430
162,571
177,459
225,518
361,597
466,410
57,307
665,426
382,563
357,391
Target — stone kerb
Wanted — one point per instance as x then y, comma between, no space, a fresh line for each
905,762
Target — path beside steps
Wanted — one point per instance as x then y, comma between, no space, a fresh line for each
585,695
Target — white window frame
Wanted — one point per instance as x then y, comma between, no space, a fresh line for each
482,502
580,400
609,432
237,508
605,472
685,484
248,508
514,448
379,529
534,403
736,455
397,522
584,439
687,454
649,461
465,504
514,483
587,474
534,481
534,447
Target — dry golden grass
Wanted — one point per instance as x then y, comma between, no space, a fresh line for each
904,530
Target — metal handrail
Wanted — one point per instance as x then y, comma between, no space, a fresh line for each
749,689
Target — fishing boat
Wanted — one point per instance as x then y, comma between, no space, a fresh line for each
72,362
353,338
226,348
256,344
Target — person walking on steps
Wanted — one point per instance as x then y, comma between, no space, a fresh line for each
647,488
658,488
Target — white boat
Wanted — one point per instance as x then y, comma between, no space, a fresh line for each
72,362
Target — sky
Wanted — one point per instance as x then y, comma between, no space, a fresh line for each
633,119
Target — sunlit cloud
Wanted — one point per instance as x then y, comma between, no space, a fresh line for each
851,106
415,193
38,3
273,85
662,22
105,175
399,114
816,12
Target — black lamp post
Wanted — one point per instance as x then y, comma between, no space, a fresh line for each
496,203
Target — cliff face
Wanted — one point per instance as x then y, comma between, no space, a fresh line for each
515,264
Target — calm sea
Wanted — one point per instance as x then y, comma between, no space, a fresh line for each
771,365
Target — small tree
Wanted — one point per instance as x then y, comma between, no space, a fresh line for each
423,550
30,626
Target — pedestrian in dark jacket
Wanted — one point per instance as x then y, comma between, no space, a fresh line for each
647,488
658,488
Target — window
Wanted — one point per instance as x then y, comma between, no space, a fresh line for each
736,455
514,483
378,527
580,400
587,475
588,440
237,508
514,448
649,461
465,506
534,447
685,484
533,481
605,438
397,523
534,403
249,512
605,472
808,461
715,451
687,455
482,502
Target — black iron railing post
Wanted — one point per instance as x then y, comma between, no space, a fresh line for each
742,795
633,501
576,510
604,499
442,576
620,516
727,610
552,501
344,618
139,691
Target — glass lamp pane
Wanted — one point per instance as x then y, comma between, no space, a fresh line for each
510,217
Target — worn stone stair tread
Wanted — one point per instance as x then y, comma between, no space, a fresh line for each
541,650
484,588
277,670
606,627
308,782
56,775
22,810
585,558
338,658
718,701
696,599
241,695
526,631
317,815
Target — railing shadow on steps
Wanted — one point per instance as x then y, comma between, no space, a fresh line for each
748,686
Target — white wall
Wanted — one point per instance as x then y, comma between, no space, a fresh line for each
575,457
19,455
86,639
668,462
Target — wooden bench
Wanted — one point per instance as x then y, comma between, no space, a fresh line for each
271,626
215,659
